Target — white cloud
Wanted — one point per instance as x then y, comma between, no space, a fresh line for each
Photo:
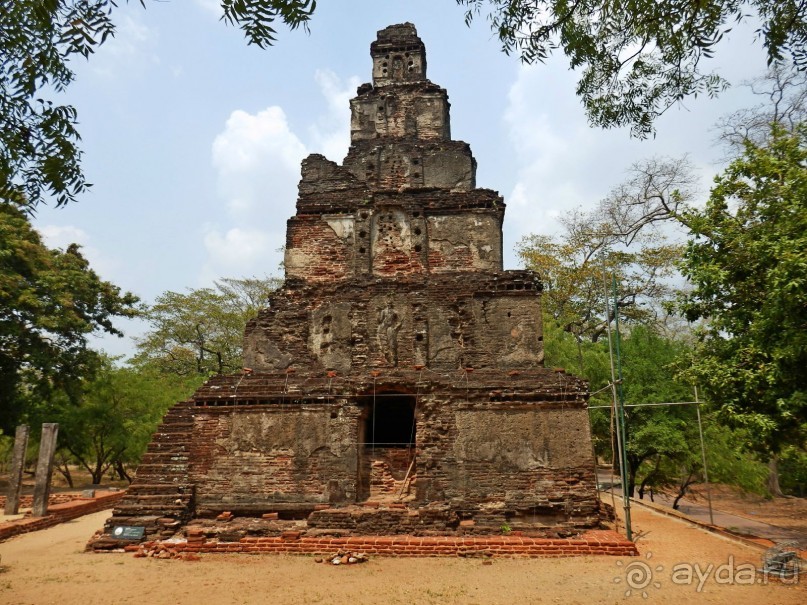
133,47
258,162
562,162
61,236
240,252
237,251
551,144
257,159
331,133
211,6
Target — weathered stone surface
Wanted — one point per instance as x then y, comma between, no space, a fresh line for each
396,380
12,504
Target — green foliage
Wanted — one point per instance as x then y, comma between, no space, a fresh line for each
647,368
638,58
50,301
730,460
793,471
256,17
615,239
201,332
561,350
111,419
747,263
784,92
588,360
661,436
39,153
6,449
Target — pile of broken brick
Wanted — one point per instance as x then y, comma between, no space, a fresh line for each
343,557
158,550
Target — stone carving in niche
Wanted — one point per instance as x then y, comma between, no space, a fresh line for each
388,326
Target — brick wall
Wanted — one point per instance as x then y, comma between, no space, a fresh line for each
601,542
59,513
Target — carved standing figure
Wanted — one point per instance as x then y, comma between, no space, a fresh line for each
389,323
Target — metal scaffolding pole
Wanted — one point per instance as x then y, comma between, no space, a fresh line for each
703,456
616,381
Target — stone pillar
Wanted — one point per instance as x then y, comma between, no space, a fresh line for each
44,468
17,468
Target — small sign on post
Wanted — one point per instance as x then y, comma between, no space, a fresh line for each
44,468
17,468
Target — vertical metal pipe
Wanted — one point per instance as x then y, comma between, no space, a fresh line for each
703,457
621,417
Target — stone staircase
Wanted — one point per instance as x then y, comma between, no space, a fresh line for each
161,497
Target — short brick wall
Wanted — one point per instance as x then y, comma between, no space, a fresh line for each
595,542
59,513
27,501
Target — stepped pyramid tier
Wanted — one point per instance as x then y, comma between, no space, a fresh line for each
395,382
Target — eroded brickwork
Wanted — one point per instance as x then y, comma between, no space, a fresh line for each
395,383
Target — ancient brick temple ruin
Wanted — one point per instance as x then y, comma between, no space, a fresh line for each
395,383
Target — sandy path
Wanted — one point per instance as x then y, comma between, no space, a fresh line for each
50,567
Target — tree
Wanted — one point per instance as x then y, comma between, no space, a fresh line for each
616,238
50,300
639,58
785,104
39,153
658,435
747,263
202,332
108,424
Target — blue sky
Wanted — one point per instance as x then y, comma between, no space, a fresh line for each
193,139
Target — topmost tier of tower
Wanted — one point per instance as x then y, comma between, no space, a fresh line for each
398,55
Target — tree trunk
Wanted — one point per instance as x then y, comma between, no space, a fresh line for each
64,470
97,475
683,488
633,466
773,477
647,481
120,470
579,353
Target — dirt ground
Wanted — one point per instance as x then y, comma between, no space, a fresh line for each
49,567
782,512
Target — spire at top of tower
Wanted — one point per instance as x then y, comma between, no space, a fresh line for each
399,55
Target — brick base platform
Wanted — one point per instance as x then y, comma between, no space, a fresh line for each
595,542
59,513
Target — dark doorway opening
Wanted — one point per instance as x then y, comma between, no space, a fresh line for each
389,420
387,444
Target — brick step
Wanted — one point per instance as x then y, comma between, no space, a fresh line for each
164,458
185,416
168,447
145,510
175,427
171,438
159,489
258,394
167,470
179,408
156,499
145,520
